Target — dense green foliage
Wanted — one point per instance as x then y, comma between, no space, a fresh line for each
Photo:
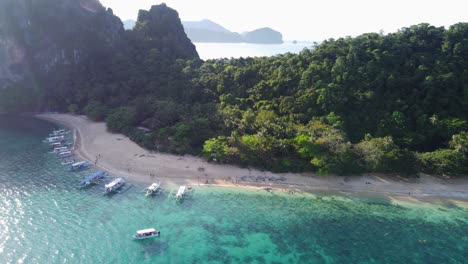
378,103
395,103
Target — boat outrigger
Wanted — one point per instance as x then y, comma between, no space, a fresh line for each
181,192
146,233
114,185
81,165
93,179
152,189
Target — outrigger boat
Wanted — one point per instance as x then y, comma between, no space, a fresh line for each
152,189
93,179
56,145
59,149
65,154
114,185
54,139
59,132
81,165
181,192
146,233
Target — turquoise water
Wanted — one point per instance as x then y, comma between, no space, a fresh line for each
45,219
237,50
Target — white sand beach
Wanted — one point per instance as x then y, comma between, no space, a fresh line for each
120,156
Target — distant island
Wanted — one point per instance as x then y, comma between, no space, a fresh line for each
209,31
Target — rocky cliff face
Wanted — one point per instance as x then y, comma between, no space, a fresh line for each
161,28
11,52
38,35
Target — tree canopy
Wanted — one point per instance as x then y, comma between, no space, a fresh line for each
395,103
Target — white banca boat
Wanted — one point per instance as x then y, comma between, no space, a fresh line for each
64,154
59,132
181,192
146,233
93,178
54,139
114,185
56,145
81,165
68,162
59,149
152,189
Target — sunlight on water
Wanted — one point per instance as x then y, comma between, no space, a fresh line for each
46,219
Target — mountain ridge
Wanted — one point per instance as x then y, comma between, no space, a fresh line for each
209,31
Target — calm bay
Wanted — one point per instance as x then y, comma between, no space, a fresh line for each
45,218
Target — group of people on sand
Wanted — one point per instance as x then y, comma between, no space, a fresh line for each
97,159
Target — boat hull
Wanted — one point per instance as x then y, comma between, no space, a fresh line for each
113,189
146,237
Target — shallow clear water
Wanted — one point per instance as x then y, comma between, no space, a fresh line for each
236,50
45,219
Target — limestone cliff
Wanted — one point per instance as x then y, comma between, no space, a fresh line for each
42,38
161,28
38,35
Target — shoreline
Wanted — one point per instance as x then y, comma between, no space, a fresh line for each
120,156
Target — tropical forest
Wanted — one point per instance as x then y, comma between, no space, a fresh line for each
393,103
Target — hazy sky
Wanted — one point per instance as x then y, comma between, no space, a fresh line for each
308,19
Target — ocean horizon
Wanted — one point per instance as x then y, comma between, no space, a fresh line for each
208,51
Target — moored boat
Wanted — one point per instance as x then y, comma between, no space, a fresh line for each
146,233
64,154
56,145
59,132
54,139
152,189
81,165
114,185
181,192
93,178
59,149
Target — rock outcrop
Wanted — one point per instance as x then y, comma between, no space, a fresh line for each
161,28
40,37
37,36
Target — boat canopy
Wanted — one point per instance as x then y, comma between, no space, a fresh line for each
153,186
181,191
114,183
144,231
94,176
